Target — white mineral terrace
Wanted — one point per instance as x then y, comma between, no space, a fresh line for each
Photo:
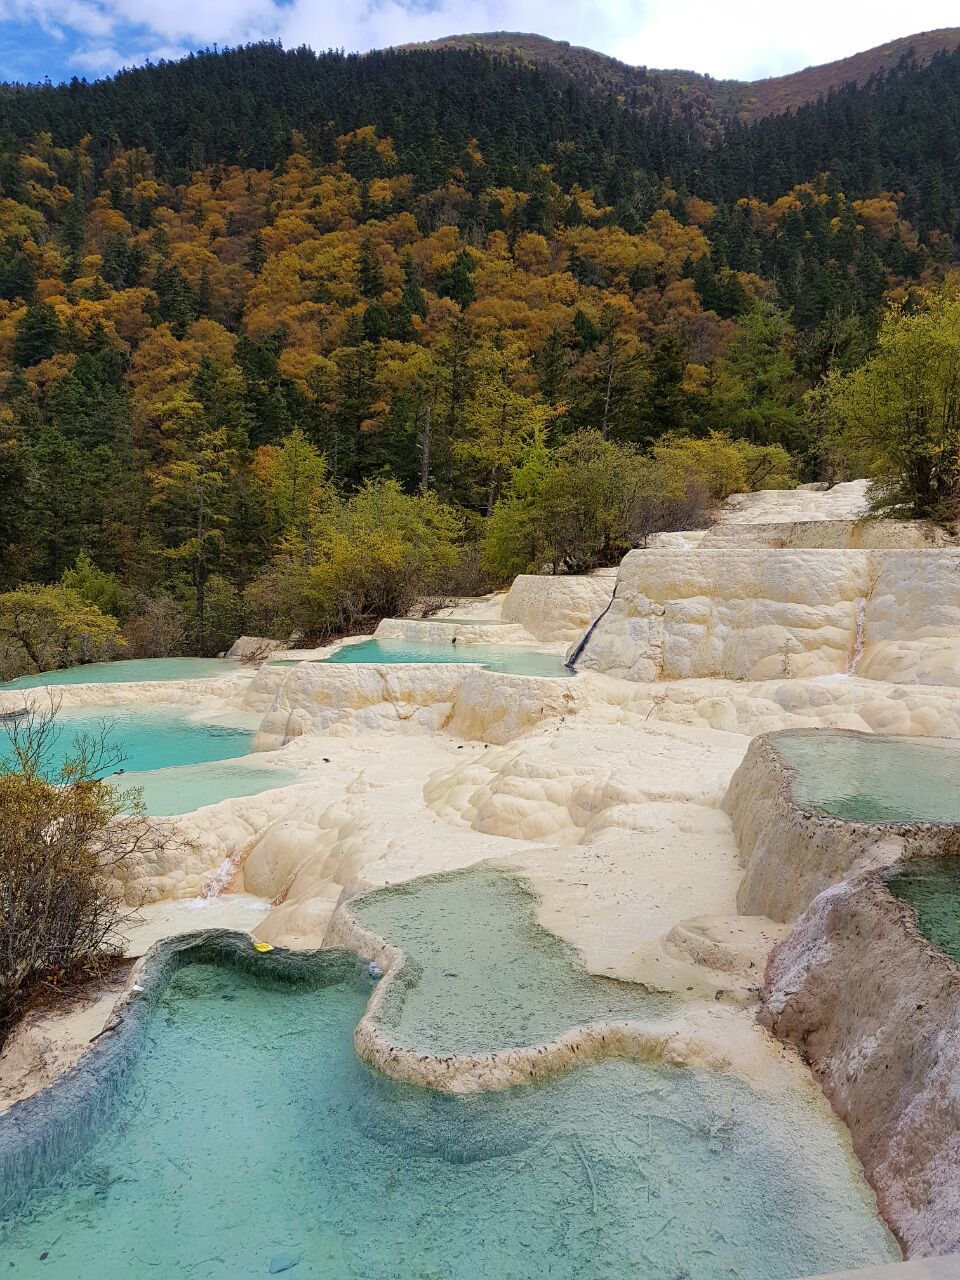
605,791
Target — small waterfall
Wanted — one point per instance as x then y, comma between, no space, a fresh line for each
220,876
572,660
857,653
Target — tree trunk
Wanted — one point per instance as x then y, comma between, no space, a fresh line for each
605,428
200,577
425,452
32,653
493,489
496,472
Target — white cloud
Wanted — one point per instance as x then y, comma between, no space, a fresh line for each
747,39
739,38
376,23
105,59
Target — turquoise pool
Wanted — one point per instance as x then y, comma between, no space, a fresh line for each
482,973
150,740
513,660
179,764
246,1139
867,777
127,672
932,887
167,792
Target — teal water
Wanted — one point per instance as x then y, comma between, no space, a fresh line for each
513,660
251,1141
482,974
867,777
171,791
179,764
149,739
128,671
932,887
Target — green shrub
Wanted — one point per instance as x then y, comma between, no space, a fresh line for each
103,590
586,503
44,628
364,558
65,834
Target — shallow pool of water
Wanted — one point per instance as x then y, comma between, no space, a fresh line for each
932,887
129,671
149,739
171,791
180,764
873,777
482,974
517,660
251,1141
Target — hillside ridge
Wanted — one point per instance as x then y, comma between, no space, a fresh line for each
748,99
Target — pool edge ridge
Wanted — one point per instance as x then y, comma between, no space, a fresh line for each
943,1267
873,1007
498,1069
44,1133
791,852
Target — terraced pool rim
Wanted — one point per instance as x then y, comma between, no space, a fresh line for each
43,1135
123,671
792,775
486,656
638,1039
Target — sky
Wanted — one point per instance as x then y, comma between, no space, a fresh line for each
741,39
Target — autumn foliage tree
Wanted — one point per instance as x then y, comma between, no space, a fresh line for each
898,415
42,628
245,287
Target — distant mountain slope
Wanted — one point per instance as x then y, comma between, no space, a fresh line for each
706,103
786,93
600,71
750,100
597,69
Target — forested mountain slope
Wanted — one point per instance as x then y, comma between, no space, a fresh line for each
420,265
787,93
716,98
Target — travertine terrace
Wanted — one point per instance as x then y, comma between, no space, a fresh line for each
605,793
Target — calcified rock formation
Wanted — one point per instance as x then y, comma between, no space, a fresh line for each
557,609
837,535
808,503
871,1004
792,853
467,701
751,615
765,613
875,1009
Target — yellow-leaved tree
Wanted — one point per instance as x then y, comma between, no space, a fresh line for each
897,417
